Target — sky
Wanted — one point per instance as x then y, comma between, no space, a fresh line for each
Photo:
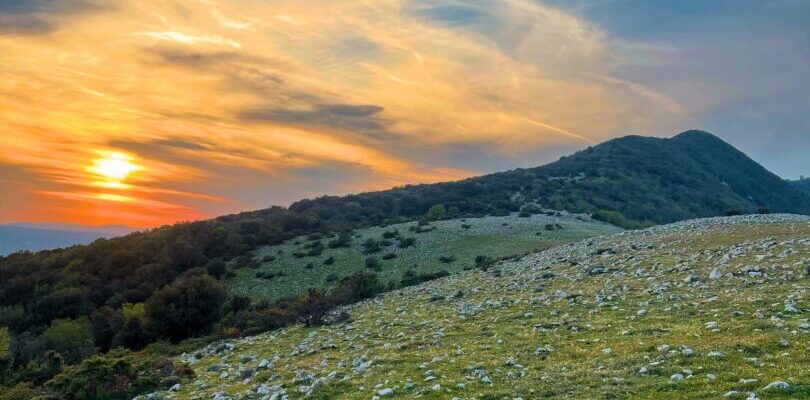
148,113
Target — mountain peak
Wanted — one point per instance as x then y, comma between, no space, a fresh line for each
695,134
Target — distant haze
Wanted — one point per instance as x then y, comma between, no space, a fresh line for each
35,236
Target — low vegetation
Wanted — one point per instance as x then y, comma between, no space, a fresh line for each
702,309
392,250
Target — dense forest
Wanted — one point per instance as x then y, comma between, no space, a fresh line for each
802,184
60,307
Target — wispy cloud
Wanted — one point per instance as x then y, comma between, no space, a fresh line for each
233,105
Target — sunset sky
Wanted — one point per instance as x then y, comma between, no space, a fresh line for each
149,112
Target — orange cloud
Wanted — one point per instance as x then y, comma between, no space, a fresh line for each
152,113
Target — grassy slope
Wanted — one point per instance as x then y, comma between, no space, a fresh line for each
406,334
496,237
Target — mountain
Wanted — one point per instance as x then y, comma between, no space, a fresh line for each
631,181
36,236
694,174
802,185
178,282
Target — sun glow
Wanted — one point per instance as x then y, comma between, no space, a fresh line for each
114,167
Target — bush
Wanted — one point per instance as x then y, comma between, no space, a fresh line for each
373,264
73,339
407,242
118,374
186,308
371,246
23,390
5,345
436,212
390,234
447,259
389,256
329,261
410,278
483,262
343,240
215,267
356,287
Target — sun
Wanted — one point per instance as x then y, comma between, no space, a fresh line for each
114,166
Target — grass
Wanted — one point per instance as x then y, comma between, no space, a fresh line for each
516,309
459,240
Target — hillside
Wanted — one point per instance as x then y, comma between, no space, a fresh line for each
632,181
802,185
437,248
693,174
698,309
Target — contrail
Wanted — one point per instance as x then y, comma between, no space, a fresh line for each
555,129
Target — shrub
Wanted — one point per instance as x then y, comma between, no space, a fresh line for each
343,240
389,256
315,251
447,259
410,277
357,286
215,267
407,242
436,212
329,261
483,262
5,345
186,308
373,264
117,374
73,339
370,246
390,234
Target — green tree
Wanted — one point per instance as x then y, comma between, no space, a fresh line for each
436,212
72,338
5,344
186,308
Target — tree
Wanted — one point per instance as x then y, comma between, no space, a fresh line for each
72,338
106,323
5,344
215,267
357,286
186,308
436,212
